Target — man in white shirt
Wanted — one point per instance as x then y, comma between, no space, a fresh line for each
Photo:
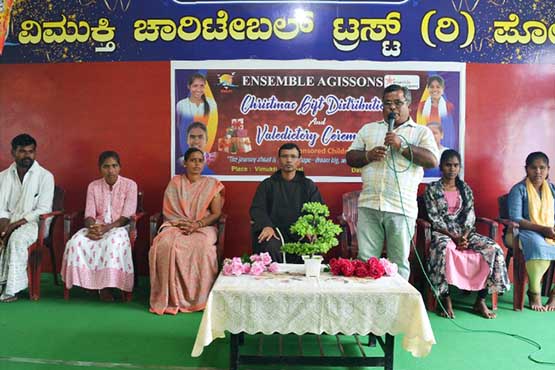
387,207
26,192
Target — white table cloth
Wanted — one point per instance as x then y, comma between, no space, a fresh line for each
288,302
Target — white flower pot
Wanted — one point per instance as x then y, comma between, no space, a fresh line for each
312,265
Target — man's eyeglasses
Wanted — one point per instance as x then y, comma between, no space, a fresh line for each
289,156
397,103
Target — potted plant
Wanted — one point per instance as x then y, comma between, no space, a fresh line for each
317,236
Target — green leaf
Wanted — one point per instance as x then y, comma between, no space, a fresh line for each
313,223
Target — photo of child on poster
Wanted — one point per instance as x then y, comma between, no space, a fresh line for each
196,116
439,114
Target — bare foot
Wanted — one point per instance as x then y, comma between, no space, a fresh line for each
481,308
550,305
535,301
448,306
106,295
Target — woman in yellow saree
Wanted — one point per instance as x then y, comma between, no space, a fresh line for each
532,206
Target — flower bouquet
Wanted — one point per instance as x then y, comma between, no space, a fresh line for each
373,268
255,264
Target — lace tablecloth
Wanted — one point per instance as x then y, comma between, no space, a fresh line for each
288,302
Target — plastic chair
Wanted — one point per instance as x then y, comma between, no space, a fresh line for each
45,240
71,225
348,221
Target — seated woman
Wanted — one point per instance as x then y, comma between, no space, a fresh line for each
532,206
458,254
99,255
183,260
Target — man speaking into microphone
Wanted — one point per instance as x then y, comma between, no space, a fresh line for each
395,147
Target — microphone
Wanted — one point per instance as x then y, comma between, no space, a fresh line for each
390,121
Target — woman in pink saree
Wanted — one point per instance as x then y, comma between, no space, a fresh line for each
183,260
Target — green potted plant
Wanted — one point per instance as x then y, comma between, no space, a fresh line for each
317,236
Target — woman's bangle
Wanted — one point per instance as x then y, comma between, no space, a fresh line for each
200,223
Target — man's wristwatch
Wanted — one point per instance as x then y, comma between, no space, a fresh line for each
404,145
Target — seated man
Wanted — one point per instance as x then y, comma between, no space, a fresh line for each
26,192
278,202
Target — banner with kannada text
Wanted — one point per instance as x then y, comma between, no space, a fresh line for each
386,30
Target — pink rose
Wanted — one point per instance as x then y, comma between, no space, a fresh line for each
227,269
274,267
236,270
257,268
265,258
236,266
246,268
254,258
375,268
390,268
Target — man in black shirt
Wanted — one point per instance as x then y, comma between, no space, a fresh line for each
277,204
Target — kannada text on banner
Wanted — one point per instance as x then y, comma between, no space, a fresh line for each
423,30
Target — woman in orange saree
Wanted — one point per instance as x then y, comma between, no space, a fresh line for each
183,261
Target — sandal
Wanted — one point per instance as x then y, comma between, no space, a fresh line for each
8,299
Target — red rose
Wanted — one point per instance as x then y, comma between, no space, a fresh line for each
361,271
360,268
347,268
375,268
358,264
335,266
